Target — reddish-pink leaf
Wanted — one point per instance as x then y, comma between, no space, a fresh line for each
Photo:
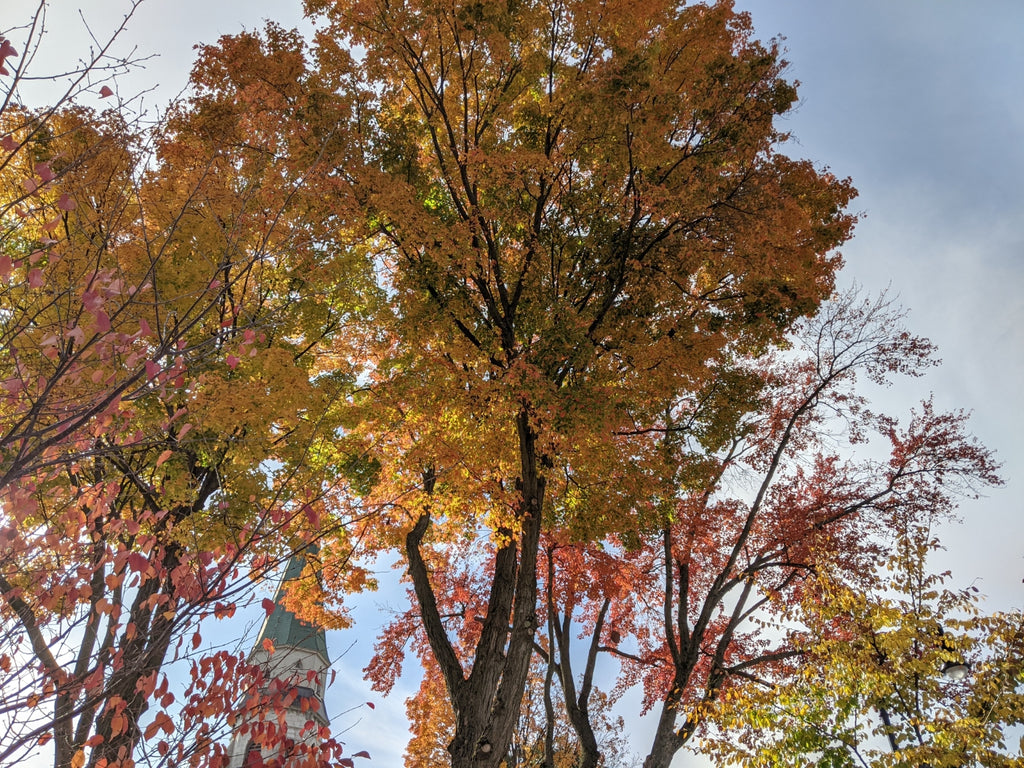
164,456
362,753
67,203
106,91
268,605
152,369
44,172
8,143
232,362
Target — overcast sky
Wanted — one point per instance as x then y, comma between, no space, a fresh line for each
921,102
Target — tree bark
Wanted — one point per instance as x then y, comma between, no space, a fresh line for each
488,700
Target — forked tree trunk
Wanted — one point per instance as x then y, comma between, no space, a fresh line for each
487,701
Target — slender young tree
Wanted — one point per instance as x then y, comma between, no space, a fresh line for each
782,497
909,672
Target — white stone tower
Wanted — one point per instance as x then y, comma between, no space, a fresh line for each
299,658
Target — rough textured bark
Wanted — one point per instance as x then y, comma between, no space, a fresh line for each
487,701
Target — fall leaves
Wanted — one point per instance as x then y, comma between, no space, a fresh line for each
523,297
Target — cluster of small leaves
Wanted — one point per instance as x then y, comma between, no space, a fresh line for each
869,689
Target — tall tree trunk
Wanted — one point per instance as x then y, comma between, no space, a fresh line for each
488,700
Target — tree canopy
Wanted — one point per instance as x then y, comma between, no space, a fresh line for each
526,294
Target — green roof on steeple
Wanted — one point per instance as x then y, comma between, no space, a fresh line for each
283,628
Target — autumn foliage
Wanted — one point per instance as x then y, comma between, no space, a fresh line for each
156,357
527,296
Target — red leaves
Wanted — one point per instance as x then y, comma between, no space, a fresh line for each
106,91
44,172
6,51
118,724
268,605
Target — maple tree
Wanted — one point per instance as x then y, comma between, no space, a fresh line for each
160,413
783,496
579,213
541,736
469,282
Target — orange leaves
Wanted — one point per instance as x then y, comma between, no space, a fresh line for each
118,724
161,722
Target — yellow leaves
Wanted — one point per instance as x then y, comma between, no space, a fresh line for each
263,393
78,759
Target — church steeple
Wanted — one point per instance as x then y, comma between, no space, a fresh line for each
296,656
283,628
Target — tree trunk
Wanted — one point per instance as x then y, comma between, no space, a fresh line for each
487,702
667,740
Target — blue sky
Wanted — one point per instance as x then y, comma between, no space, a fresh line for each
921,102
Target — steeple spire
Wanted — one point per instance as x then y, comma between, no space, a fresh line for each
283,628
296,656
